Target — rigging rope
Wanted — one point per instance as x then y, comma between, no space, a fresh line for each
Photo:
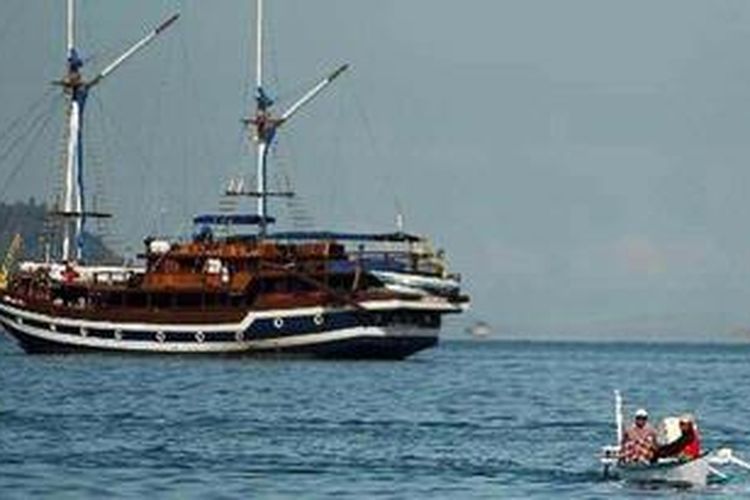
110,128
38,128
10,21
28,114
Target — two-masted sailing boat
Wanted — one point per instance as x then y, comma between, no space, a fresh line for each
311,293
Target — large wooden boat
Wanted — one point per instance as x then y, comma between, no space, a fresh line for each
222,297
260,293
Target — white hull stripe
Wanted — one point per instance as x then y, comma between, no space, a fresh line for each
307,339
427,306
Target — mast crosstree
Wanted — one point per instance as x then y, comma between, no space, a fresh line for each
77,89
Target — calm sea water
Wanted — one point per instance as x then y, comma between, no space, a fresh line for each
465,420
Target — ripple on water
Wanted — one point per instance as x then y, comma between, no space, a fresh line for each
466,420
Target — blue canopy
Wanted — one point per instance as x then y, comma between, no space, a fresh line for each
232,219
331,235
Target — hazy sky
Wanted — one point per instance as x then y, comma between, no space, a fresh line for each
583,162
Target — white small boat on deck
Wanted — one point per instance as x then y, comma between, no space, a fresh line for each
674,472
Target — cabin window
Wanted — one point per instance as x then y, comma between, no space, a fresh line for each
270,286
339,283
36,324
189,300
112,299
161,301
298,285
136,300
72,330
96,332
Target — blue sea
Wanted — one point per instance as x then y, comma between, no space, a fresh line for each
469,419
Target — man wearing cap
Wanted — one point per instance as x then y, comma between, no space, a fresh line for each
639,440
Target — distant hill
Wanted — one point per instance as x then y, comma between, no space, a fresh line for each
33,222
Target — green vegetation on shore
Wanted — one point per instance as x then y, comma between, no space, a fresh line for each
35,225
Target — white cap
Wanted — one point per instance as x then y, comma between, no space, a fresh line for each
641,412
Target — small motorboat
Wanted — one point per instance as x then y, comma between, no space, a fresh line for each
694,473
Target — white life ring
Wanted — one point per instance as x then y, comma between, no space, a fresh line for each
240,336
160,337
318,319
118,335
278,323
200,337
84,332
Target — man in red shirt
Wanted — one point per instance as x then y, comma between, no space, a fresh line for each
687,446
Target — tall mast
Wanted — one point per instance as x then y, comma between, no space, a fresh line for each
67,201
71,26
72,198
263,138
264,125
77,90
259,45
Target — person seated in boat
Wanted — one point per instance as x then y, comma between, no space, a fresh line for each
687,446
639,440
